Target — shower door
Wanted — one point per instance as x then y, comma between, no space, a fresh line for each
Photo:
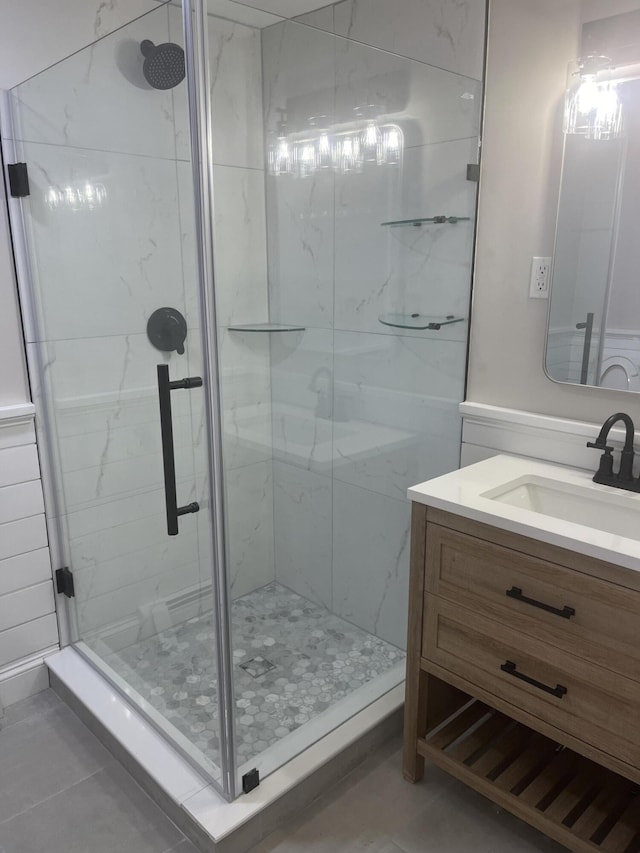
114,341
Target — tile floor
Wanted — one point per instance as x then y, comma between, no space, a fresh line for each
62,792
293,660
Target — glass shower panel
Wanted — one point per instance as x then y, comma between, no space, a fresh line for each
343,325
109,227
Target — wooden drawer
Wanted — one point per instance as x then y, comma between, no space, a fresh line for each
593,704
476,574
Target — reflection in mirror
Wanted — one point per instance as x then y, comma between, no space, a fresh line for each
594,313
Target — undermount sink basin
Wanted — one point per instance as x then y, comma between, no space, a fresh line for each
545,501
616,512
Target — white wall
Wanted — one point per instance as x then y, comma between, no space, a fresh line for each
530,44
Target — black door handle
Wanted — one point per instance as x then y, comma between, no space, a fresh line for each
165,387
565,612
510,668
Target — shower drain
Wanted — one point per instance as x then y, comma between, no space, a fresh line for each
257,666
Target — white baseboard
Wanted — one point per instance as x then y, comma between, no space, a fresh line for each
24,679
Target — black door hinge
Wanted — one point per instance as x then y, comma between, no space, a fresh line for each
473,172
18,180
64,582
250,780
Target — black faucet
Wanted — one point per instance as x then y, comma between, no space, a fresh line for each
624,478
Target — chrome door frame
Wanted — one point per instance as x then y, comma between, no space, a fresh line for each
194,16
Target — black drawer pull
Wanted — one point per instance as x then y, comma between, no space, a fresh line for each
516,592
510,668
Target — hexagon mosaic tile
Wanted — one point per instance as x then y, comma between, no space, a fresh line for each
292,661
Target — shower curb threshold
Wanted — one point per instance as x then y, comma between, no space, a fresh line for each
206,818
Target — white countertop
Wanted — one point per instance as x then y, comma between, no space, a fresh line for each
463,493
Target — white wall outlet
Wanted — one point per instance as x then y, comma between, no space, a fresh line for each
540,274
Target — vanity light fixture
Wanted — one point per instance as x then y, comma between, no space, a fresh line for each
592,106
347,147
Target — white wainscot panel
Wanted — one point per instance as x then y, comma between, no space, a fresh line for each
236,93
395,406
24,605
20,501
24,570
98,97
84,287
371,561
302,389
18,465
16,426
27,639
250,527
449,35
303,531
406,270
19,537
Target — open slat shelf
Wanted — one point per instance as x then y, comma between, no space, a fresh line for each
571,799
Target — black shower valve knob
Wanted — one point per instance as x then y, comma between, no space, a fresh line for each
167,330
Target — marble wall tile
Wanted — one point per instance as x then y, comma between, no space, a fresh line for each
124,540
398,398
299,84
250,527
241,13
285,8
371,561
428,104
443,33
303,531
240,246
240,269
321,18
84,522
300,233
102,269
427,270
236,94
105,370
246,398
301,396
63,29
99,99
129,602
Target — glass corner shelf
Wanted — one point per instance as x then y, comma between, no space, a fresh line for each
419,321
417,222
265,327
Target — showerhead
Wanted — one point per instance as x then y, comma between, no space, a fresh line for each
163,65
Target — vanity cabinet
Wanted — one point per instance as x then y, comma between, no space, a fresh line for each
523,678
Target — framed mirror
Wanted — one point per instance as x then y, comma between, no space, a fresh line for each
593,334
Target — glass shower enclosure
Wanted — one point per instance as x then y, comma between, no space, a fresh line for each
245,271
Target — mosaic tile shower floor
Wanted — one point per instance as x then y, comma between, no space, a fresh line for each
292,660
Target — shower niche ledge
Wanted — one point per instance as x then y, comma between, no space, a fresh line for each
269,328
